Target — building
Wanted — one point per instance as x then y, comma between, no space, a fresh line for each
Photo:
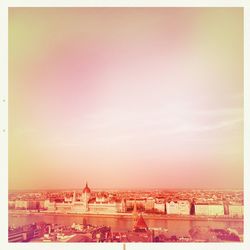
209,209
12,204
21,204
50,205
86,204
215,209
26,204
149,204
172,207
181,207
184,207
236,210
140,232
81,205
140,225
140,203
159,207
85,197
108,207
201,208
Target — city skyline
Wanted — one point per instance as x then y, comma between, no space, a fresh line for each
126,97
170,215
109,189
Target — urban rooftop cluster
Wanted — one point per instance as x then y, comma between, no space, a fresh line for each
176,202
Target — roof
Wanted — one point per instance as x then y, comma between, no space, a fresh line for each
140,224
209,203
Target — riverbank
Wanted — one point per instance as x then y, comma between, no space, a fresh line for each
129,215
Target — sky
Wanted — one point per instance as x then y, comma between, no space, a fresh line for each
125,98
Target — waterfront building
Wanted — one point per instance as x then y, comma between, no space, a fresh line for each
209,209
86,204
149,204
183,207
26,204
21,204
141,203
85,197
159,207
33,205
201,209
63,207
41,204
130,204
236,210
215,209
108,207
12,204
50,205
172,207
180,207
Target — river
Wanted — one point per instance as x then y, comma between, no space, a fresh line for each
175,227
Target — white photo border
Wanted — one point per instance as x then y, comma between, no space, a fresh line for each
4,5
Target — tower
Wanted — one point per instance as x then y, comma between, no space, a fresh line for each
84,221
85,197
135,208
74,198
123,206
140,225
135,213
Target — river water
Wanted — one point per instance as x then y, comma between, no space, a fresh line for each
175,227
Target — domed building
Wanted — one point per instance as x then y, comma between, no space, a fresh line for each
86,197
86,189
81,205
98,204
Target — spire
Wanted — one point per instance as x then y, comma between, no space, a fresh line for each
84,221
135,213
140,225
135,208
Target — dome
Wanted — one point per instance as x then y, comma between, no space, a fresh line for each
86,189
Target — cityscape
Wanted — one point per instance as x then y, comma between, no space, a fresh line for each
125,124
126,216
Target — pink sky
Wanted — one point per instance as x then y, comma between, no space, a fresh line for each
126,97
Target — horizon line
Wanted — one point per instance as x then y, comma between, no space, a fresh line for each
124,188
